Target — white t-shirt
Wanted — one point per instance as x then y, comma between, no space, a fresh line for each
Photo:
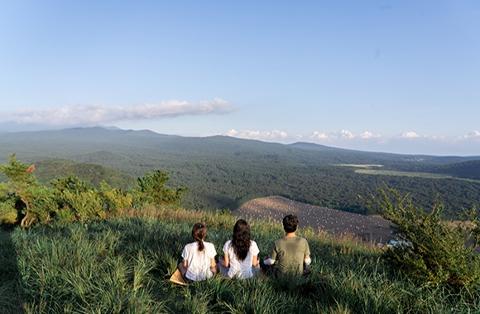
198,262
240,269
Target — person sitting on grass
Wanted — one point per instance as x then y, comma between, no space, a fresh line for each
199,256
290,254
240,254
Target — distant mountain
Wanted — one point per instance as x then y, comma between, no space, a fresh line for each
223,172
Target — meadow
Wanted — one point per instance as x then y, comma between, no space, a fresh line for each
121,265
423,175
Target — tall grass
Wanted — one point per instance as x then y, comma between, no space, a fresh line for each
121,265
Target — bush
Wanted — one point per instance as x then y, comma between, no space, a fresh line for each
43,205
24,201
153,190
84,205
32,202
435,252
8,213
115,199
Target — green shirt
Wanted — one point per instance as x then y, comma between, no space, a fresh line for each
289,254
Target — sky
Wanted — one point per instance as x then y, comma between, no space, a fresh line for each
396,76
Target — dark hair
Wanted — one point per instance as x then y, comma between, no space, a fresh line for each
199,232
241,239
290,223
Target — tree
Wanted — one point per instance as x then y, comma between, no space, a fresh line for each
22,192
152,189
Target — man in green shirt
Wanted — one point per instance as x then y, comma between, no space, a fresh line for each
290,253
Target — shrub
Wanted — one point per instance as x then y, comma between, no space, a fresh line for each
8,213
115,199
24,201
84,205
152,189
43,205
32,202
435,251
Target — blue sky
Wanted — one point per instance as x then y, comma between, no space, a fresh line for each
399,76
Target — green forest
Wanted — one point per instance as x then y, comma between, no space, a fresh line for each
223,172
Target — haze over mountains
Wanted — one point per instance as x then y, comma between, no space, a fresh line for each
223,172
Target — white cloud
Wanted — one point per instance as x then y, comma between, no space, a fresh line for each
340,135
100,114
319,135
473,135
346,134
409,135
407,142
259,135
367,135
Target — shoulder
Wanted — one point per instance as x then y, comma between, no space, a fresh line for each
210,247
189,246
279,242
304,242
188,249
227,245
254,247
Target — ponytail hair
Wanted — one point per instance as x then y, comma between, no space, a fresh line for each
199,232
241,239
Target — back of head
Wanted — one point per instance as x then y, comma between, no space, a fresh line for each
199,232
290,223
241,239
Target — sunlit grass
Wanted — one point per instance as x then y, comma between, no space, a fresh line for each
121,266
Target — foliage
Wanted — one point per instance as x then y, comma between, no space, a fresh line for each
24,191
8,213
430,250
24,201
84,205
153,189
72,184
115,199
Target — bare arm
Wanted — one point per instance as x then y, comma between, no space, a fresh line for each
226,260
307,258
213,265
255,261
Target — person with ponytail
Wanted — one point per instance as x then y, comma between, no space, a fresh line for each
199,256
240,253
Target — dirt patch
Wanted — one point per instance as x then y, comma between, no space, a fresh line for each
368,228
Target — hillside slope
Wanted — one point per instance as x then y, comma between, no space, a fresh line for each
335,222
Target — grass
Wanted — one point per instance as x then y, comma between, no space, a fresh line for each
359,166
424,175
121,265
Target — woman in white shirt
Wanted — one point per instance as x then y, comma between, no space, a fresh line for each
241,253
199,256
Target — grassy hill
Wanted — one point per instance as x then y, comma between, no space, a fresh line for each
121,265
224,172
